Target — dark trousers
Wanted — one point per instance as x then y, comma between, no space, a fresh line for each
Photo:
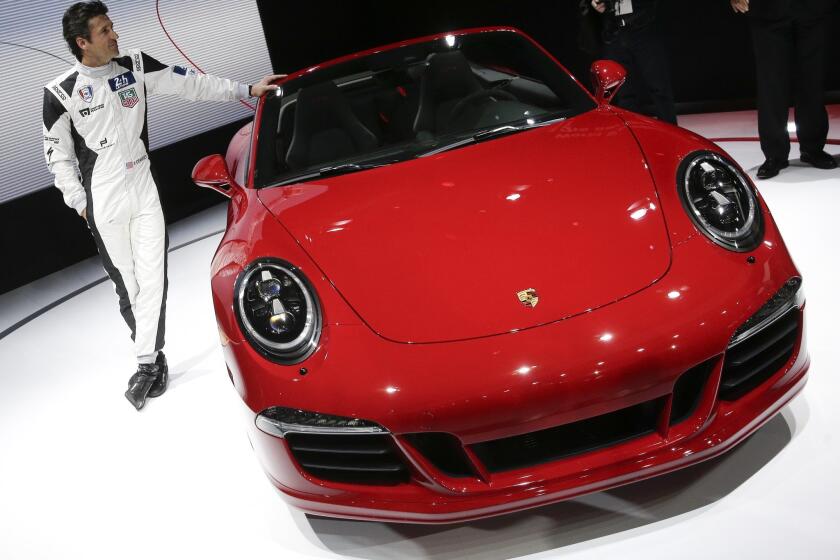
642,53
790,56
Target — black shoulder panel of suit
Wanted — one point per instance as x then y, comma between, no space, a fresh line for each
69,82
152,65
53,109
125,62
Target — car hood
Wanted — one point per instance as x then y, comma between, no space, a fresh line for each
437,248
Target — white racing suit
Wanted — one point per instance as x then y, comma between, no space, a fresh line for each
95,118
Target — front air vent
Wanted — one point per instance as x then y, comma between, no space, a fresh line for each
444,451
755,359
689,389
543,446
349,458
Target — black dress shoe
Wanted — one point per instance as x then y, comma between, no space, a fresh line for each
141,383
771,167
820,160
160,384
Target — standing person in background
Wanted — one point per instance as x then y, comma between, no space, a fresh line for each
631,38
790,40
94,118
589,39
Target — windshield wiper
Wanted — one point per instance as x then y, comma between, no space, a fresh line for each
503,130
334,170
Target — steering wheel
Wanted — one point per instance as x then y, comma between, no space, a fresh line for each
477,95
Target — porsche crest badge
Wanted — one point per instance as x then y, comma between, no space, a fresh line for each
529,297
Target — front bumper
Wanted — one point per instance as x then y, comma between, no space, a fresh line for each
620,356
729,426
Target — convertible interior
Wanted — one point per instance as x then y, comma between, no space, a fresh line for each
373,110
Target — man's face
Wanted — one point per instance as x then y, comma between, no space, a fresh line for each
102,45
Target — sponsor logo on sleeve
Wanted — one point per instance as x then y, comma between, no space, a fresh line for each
121,81
86,93
49,154
129,98
181,71
136,62
59,93
52,139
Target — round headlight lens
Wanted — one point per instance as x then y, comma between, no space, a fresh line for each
720,201
278,310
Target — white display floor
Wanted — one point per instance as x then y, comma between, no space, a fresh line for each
85,476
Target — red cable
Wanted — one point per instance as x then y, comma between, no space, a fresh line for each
174,44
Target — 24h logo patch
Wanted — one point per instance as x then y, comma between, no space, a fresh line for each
129,98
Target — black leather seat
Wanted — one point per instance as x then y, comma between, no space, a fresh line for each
326,128
447,80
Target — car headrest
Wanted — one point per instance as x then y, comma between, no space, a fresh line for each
325,127
448,76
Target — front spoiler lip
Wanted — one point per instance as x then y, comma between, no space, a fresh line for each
460,510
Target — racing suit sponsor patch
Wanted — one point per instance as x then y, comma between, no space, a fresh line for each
121,81
131,164
88,110
129,98
180,70
59,93
86,93
137,62
49,154
103,144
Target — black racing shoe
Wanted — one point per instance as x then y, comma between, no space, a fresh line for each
771,168
162,381
159,386
820,159
140,384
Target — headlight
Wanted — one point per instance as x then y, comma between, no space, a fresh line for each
278,310
720,201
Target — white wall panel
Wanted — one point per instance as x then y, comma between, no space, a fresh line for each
223,37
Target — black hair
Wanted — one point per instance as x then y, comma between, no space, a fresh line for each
76,23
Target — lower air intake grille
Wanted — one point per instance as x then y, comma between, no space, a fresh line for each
555,443
351,458
755,359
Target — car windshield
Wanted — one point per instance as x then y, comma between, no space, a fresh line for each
410,101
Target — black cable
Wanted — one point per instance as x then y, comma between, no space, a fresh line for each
36,49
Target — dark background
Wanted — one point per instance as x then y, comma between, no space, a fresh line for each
711,63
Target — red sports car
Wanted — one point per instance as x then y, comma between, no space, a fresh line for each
454,284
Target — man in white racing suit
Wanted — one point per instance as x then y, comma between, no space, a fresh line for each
96,144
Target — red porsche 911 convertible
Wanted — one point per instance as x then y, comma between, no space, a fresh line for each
454,284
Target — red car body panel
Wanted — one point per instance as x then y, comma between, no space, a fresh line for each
408,341
487,221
